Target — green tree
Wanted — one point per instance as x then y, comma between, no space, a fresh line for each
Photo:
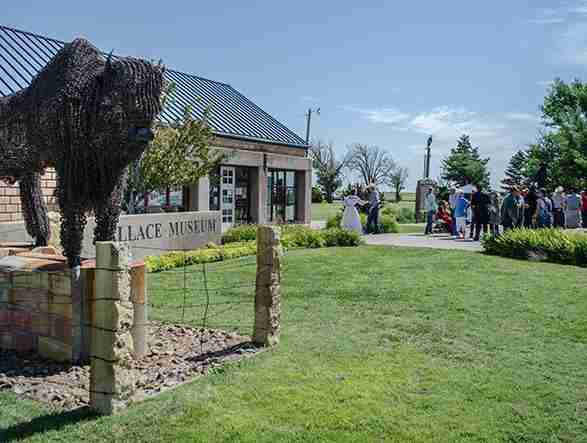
514,173
328,170
550,163
565,113
179,155
464,165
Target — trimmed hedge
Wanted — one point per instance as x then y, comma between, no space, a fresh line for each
212,253
240,233
552,245
293,236
401,214
387,223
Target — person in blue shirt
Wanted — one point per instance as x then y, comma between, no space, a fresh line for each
461,206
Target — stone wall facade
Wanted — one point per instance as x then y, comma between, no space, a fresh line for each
10,207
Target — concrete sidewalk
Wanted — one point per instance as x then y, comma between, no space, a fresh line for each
422,241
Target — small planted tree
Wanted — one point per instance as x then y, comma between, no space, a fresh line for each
179,155
465,165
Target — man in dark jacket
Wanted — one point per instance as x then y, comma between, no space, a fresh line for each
480,206
512,210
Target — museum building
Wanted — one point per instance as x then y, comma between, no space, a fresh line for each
266,175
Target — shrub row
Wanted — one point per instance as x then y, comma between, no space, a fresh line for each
401,214
551,245
311,238
211,253
387,223
240,244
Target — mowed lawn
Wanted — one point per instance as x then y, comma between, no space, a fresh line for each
379,344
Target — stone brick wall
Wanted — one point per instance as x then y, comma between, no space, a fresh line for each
36,312
10,208
41,312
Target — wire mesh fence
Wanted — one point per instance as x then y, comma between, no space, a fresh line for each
216,295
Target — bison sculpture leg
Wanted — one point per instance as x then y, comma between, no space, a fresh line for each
108,214
73,223
34,209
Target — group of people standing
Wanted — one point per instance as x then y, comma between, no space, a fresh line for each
485,212
535,208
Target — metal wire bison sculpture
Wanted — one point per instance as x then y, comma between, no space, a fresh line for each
88,117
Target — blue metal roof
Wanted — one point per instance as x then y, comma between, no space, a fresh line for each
231,114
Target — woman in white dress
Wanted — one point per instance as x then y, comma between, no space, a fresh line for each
350,216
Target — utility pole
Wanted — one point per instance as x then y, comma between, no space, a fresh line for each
308,121
427,164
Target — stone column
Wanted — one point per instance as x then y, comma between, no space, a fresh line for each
268,287
200,195
304,196
258,195
111,380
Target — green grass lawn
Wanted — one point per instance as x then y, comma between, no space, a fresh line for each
378,344
323,211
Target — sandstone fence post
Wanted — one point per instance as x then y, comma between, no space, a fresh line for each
140,332
268,287
111,379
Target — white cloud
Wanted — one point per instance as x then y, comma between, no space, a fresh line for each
571,38
446,122
380,115
522,117
450,122
549,16
546,21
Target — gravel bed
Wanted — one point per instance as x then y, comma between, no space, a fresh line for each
177,354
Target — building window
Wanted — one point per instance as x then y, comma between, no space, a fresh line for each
215,190
156,201
281,196
242,196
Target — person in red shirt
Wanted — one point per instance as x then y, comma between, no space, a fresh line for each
443,213
584,208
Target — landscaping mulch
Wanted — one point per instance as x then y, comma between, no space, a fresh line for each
177,354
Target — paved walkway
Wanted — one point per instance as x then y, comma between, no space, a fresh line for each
422,241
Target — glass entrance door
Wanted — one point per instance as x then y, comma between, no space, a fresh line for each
227,196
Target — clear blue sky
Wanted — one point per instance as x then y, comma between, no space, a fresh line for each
385,73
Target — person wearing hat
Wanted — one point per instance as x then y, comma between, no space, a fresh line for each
373,216
558,207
